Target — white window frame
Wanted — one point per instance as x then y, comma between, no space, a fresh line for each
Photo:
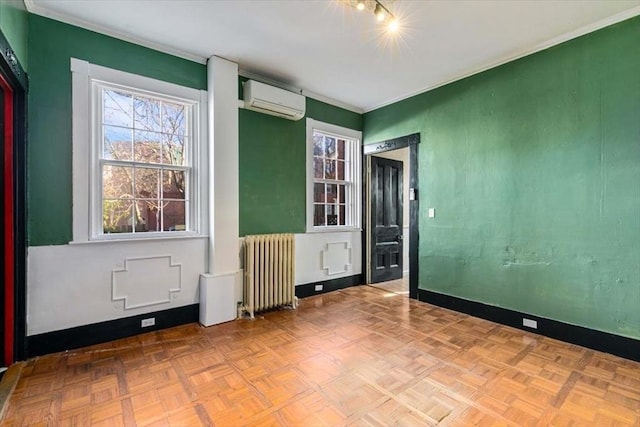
354,214
87,81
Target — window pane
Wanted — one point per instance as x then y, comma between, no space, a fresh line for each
318,193
332,215
318,167
117,108
144,160
333,180
173,150
173,184
147,215
330,169
146,183
146,114
116,216
117,143
173,216
329,147
318,215
147,146
318,148
173,119
117,182
332,193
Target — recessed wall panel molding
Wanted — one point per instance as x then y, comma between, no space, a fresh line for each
146,281
85,272
336,257
327,256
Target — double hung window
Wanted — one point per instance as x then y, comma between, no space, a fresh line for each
334,192
144,159
138,155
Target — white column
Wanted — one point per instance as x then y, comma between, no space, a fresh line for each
222,286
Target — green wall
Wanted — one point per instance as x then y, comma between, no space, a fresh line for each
14,24
273,167
272,150
534,171
51,44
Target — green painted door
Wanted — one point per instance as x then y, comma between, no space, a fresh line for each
386,220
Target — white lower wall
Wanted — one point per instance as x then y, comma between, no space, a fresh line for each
326,256
80,284
90,282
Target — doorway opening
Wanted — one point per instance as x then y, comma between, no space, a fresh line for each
391,215
13,89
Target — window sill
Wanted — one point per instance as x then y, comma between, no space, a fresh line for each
334,230
137,239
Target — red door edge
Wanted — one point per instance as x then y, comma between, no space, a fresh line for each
8,223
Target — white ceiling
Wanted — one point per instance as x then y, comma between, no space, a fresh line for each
329,49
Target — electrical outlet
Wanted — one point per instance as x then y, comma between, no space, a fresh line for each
529,323
319,288
148,322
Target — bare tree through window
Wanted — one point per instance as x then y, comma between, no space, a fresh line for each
145,173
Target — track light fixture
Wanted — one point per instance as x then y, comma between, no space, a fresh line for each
381,12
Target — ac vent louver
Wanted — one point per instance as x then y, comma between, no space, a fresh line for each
274,101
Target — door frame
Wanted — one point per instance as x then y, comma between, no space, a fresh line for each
412,141
15,77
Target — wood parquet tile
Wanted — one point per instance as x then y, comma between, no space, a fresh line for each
399,286
357,357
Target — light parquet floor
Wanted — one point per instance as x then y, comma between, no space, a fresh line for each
359,357
399,286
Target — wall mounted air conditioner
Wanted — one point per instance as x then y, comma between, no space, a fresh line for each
272,100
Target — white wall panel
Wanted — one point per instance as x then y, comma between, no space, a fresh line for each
326,256
73,285
146,281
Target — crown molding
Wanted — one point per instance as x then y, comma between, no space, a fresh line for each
62,17
332,101
34,8
614,19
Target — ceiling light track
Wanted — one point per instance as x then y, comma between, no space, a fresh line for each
382,13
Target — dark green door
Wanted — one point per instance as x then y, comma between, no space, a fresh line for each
386,219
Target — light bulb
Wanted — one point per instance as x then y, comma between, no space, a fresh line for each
379,12
393,26
360,5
